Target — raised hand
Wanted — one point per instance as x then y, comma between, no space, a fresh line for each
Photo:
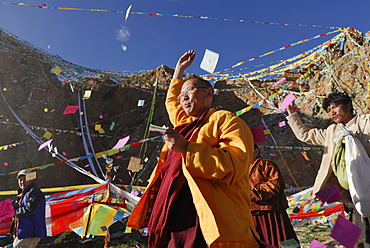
184,62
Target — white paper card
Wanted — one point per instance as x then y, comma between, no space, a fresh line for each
209,61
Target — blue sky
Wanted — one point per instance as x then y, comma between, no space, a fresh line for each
90,38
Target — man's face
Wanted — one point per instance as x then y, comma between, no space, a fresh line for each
22,183
339,112
195,98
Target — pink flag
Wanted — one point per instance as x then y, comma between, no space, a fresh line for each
70,110
288,100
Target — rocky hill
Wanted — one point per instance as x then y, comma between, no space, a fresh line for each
37,87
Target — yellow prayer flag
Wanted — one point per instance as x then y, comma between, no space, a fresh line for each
97,127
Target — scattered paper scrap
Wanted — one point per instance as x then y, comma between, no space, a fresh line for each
140,103
282,124
345,232
46,110
273,154
122,142
5,163
97,127
288,100
45,144
135,164
112,125
209,61
101,116
7,209
70,110
47,135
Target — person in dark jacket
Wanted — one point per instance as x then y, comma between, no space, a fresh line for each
268,201
29,224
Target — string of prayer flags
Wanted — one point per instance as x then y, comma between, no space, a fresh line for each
244,110
70,110
287,101
209,61
80,70
345,232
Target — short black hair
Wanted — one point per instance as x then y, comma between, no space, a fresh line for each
201,82
336,97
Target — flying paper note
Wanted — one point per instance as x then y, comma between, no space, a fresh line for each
128,13
122,142
258,134
45,144
330,194
209,61
288,100
124,48
7,209
282,80
87,94
70,110
345,232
